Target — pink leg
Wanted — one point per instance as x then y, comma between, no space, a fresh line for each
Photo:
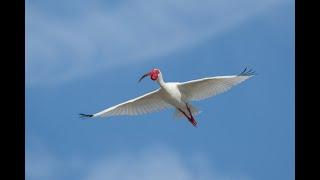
191,119
189,110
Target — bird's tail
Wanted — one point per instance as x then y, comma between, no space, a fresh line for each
85,115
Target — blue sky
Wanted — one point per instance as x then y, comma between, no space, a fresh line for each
82,57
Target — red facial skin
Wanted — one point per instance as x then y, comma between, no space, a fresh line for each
154,74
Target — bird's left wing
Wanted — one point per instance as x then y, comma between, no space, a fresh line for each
204,88
147,103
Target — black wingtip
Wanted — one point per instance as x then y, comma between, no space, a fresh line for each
85,115
246,72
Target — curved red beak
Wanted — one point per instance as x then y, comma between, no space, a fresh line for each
145,75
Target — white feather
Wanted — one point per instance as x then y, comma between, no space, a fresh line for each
206,87
147,103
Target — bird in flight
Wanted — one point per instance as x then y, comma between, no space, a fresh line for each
176,95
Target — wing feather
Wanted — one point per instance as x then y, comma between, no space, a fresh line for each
204,88
147,103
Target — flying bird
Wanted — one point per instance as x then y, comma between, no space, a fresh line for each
176,95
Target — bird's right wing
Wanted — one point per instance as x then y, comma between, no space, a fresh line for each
204,88
147,103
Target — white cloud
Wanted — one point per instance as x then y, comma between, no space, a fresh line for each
60,48
156,163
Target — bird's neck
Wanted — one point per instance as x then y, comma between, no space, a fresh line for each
160,81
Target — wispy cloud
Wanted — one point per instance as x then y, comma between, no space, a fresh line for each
155,162
61,47
40,163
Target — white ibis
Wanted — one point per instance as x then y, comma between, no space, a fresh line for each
175,95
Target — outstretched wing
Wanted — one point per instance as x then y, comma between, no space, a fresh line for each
204,88
147,103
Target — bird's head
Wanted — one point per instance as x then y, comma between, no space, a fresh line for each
154,74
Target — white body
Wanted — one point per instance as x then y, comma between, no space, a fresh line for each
175,95
172,95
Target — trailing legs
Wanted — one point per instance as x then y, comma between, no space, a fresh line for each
191,118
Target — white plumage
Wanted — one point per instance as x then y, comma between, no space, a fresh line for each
206,87
175,95
149,102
